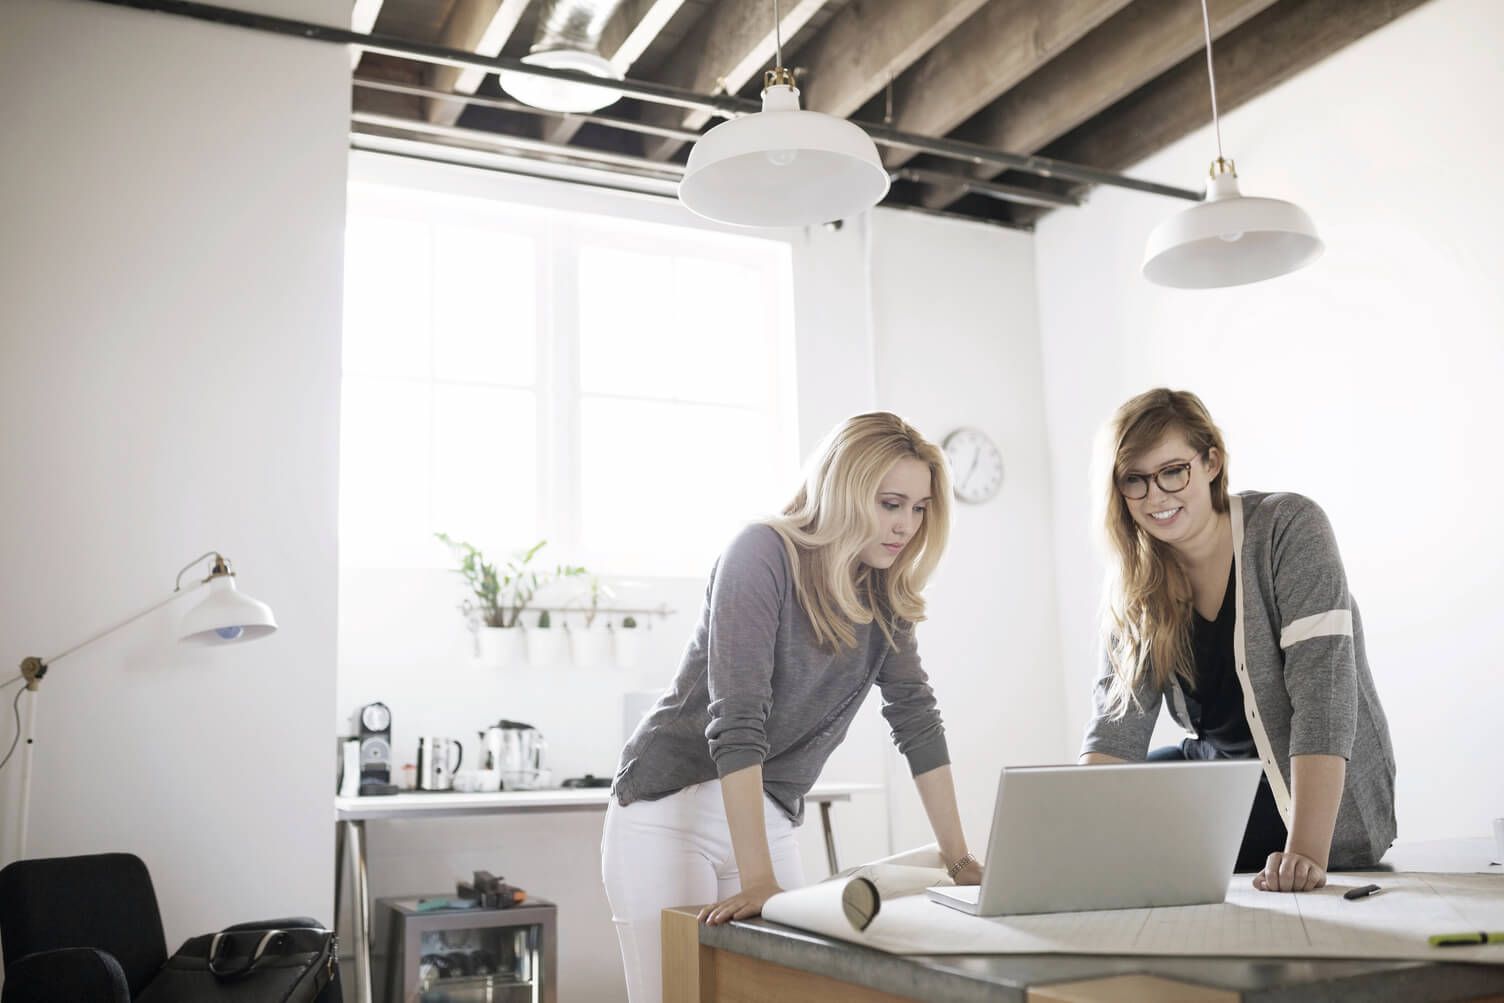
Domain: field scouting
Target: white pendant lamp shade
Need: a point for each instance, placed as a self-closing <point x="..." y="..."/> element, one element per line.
<point x="563" y="95"/>
<point x="225" y="616"/>
<point x="1230" y="240"/>
<point x="783" y="167"/>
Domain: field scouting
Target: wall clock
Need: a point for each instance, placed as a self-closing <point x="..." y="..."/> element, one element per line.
<point x="976" y="465"/>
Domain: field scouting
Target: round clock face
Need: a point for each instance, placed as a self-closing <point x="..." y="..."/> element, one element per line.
<point x="376" y="717"/>
<point x="976" y="465"/>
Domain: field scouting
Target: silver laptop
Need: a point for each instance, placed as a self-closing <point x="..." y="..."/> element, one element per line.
<point x="1076" y="838"/>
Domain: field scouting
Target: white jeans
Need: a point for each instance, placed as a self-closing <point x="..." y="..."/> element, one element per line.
<point x="672" y="852"/>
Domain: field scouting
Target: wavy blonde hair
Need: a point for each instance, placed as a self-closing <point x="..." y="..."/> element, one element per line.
<point x="834" y="516"/>
<point x="1147" y="602"/>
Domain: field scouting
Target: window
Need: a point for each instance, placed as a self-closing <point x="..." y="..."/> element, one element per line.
<point x="620" y="389"/>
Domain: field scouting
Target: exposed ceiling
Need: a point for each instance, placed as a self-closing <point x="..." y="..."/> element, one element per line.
<point x="1100" y="83"/>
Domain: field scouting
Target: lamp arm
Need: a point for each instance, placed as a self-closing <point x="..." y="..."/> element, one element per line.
<point x="33" y="668"/>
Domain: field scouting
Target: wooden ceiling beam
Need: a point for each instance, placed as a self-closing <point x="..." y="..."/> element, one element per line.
<point x="362" y="19"/>
<point x="998" y="46"/>
<point x="628" y="34"/>
<point x="1269" y="49"/>
<point x="869" y="43"/>
<point x="728" y="46"/>
<point x="1124" y="53"/>
<point x="481" y="26"/>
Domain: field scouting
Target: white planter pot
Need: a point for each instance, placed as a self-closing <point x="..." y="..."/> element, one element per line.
<point x="501" y="646"/>
<point x="545" y="646"/>
<point x="628" y="646"/>
<point x="590" y="647"/>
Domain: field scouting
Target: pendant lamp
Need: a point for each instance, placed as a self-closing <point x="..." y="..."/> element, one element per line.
<point x="1231" y="238"/>
<point x="782" y="166"/>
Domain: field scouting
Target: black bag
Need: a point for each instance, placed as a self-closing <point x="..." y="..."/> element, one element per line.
<point x="275" y="962"/>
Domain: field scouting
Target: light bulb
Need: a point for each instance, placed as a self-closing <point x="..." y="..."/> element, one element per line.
<point x="781" y="158"/>
<point x="229" y="633"/>
<point x="1231" y="237"/>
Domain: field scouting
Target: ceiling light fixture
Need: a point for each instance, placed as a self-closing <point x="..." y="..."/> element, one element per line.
<point x="782" y="166"/>
<point x="1230" y="239"/>
<point x="569" y="36"/>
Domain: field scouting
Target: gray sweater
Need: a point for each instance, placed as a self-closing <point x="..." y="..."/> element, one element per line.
<point x="1301" y="663"/>
<point x="754" y="687"/>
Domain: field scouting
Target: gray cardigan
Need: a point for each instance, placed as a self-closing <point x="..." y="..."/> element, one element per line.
<point x="754" y="687"/>
<point x="1307" y="690"/>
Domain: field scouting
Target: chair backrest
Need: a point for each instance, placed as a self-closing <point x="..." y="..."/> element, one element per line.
<point x="104" y="901"/>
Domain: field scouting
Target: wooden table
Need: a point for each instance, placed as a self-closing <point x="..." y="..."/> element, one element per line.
<point x="756" y="960"/>
<point x="352" y="813"/>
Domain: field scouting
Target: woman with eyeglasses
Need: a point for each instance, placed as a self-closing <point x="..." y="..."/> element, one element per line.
<point x="804" y="613"/>
<point x="1234" y="609"/>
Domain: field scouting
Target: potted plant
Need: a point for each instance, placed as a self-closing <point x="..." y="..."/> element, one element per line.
<point x="499" y="596"/>
<point x="590" y="646"/>
<point x="628" y="643"/>
<point x="544" y="644"/>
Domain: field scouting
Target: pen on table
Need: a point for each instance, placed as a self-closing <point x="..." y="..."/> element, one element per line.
<point x="1466" y="939"/>
<point x="1361" y="892"/>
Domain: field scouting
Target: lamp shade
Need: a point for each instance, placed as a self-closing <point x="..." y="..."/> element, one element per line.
<point x="563" y="95"/>
<point x="1229" y="240"/>
<point x="225" y="616"/>
<point x="783" y="167"/>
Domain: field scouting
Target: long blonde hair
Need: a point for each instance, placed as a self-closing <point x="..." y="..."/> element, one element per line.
<point x="834" y="516"/>
<point x="1147" y="607"/>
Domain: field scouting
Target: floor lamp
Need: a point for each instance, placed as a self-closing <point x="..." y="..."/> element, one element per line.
<point x="224" y="616"/>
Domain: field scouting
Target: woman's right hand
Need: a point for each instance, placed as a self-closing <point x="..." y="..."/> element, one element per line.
<point x="743" y="905"/>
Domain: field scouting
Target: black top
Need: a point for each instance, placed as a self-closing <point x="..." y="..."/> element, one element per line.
<point x="1215" y="701"/>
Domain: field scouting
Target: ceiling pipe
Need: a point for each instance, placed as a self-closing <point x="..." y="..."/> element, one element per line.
<point x="726" y="106"/>
<point x="502" y="104"/>
<point x="991" y="189"/>
<point x="489" y="151"/>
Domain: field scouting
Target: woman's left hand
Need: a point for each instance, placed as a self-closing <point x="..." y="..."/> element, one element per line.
<point x="971" y="874"/>
<point x="1289" y="872"/>
<point x="743" y="905"/>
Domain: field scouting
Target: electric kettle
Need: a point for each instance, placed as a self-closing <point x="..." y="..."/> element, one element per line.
<point x="438" y="758"/>
<point x="518" y="753"/>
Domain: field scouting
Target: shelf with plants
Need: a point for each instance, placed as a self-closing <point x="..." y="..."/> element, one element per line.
<point x="501" y="593"/>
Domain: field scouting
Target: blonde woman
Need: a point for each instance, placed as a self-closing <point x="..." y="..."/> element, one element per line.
<point x="802" y="615"/>
<point x="1234" y="608"/>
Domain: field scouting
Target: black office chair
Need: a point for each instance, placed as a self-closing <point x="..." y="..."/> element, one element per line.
<point x="87" y="930"/>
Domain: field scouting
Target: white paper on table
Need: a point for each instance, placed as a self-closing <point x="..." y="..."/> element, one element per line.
<point x="1395" y="923"/>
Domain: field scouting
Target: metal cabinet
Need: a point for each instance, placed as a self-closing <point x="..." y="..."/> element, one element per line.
<point x="465" y="955"/>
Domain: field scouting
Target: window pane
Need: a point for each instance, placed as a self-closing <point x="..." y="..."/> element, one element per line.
<point x="383" y="484"/>
<point x="387" y="270"/>
<point x="485" y="298"/>
<point x="485" y="463"/>
<point x="666" y="486"/>
<point x="626" y="302"/>
<point x="675" y="328"/>
<point x="726" y="321"/>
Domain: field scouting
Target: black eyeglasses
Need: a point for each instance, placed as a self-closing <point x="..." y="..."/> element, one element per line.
<point x="1170" y="480"/>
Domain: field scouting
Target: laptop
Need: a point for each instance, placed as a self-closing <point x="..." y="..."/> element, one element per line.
<point x="1077" y="838"/>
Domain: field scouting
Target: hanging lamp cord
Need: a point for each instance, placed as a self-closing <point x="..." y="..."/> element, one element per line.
<point x="778" y="34"/>
<point x="1206" y="23"/>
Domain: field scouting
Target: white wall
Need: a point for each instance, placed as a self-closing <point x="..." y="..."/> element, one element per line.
<point x="173" y="197"/>
<point x="957" y="343"/>
<point x="1369" y="381"/>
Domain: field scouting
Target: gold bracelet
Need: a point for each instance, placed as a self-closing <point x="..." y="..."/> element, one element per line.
<point x="960" y="865"/>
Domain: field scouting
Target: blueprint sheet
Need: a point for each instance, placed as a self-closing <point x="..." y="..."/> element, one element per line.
<point x="1394" y="923"/>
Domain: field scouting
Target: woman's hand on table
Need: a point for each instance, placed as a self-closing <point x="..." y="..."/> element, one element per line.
<point x="743" y="905"/>
<point x="1290" y="872"/>
<point x="971" y="874"/>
